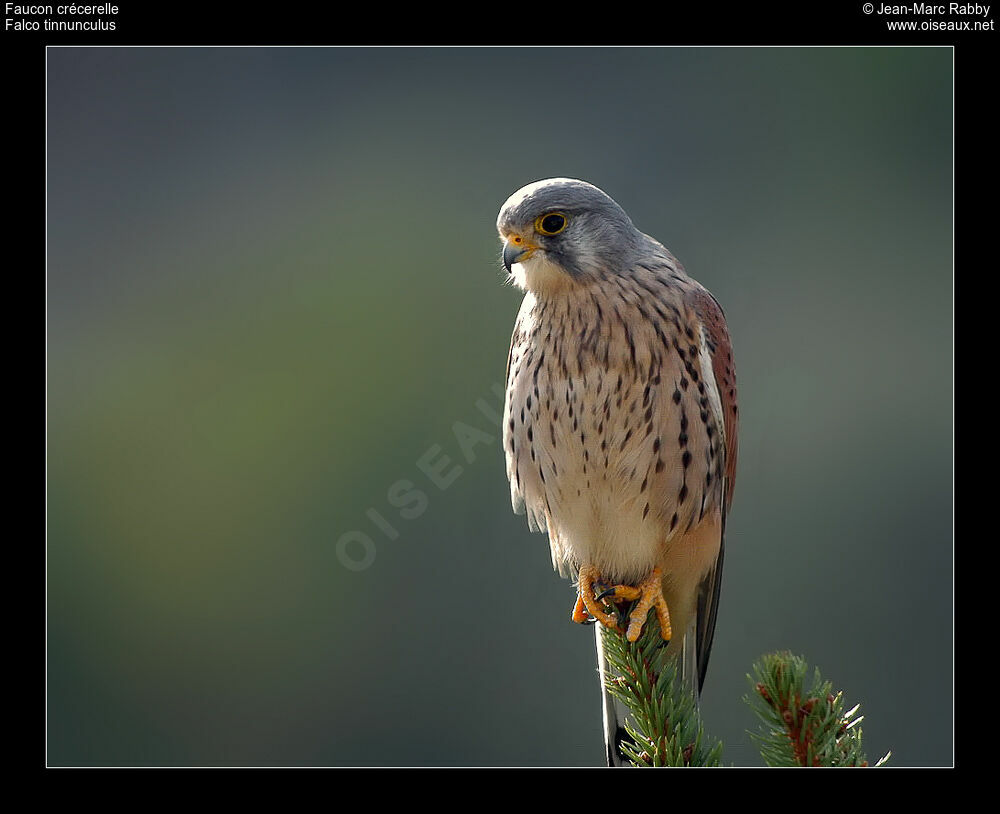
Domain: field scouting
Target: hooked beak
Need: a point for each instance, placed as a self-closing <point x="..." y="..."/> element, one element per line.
<point x="515" y="250"/>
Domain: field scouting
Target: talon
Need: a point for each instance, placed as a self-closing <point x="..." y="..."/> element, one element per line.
<point x="588" y="576"/>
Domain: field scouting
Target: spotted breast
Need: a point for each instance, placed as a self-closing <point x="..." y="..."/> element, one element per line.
<point x="615" y="427"/>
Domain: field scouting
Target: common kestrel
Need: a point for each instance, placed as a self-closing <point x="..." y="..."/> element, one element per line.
<point x="620" y="419"/>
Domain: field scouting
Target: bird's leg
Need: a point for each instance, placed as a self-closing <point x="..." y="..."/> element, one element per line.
<point x="647" y="594"/>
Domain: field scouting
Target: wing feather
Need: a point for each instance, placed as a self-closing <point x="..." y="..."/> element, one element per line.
<point x="720" y="347"/>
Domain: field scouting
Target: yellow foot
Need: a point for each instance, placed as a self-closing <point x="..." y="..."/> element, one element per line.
<point x="588" y="599"/>
<point x="649" y="592"/>
<point x="580" y="615"/>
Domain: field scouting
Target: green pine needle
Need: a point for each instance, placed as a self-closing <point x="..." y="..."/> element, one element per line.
<point x="803" y="727"/>
<point x="804" y="722"/>
<point x="664" y="726"/>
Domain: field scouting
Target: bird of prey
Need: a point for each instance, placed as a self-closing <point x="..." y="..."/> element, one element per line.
<point x="620" y="418"/>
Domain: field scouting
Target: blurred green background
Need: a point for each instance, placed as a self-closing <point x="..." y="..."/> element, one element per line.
<point x="274" y="287"/>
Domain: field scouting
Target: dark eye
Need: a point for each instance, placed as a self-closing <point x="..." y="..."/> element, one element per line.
<point x="551" y="224"/>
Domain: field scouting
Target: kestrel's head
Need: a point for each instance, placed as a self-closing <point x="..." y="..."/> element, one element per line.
<point x="561" y="231"/>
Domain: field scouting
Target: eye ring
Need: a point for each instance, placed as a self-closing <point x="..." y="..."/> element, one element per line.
<point x="551" y="223"/>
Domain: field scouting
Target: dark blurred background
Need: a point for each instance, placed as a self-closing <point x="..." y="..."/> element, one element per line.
<point x="274" y="290"/>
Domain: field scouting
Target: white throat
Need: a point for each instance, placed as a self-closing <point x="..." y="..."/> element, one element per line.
<point x="539" y="275"/>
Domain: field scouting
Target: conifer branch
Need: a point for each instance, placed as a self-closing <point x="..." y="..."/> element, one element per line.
<point x="803" y="727"/>
<point x="664" y="726"/>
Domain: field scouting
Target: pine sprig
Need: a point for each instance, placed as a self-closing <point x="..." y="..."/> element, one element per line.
<point x="664" y="726"/>
<point x="803" y="727"/>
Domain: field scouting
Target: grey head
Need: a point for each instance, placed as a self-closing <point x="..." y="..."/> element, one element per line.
<point x="562" y="227"/>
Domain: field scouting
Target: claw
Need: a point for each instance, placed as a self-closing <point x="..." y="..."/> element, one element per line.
<point x="588" y="576"/>
<point x="580" y="614"/>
